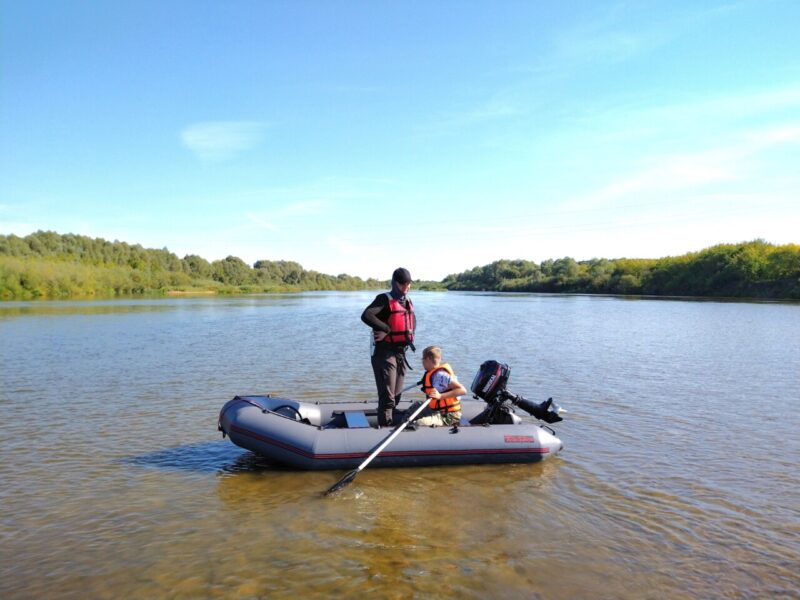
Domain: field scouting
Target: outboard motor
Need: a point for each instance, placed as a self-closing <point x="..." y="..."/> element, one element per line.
<point x="490" y="380"/>
<point x="489" y="385"/>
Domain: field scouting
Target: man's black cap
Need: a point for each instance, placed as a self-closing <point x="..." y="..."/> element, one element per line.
<point x="401" y="275"/>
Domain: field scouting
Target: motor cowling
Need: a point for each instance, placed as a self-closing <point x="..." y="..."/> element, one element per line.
<point x="490" y="380"/>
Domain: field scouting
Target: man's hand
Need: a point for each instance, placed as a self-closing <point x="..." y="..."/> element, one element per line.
<point x="378" y="335"/>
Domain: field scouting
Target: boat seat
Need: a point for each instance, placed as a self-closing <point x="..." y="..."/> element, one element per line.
<point x="355" y="419"/>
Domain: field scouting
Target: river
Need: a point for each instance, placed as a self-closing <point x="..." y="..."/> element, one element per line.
<point x="679" y="476"/>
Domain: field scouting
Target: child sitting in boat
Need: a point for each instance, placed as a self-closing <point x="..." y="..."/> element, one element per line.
<point x="442" y="389"/>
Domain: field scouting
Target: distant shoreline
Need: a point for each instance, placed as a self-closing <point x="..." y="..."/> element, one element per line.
<point x="48" y="265"/>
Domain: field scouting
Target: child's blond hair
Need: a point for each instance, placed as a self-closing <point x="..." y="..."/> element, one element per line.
<point x="433" y="352"/>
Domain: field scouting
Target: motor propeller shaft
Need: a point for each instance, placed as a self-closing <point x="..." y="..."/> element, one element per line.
<point x="546" y="411"/>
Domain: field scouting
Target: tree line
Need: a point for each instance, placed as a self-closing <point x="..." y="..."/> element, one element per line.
<point x="46" y="264"/>
<point x="753" y="269"/>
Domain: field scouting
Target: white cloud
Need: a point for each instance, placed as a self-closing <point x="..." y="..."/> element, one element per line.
<point x="726" y="109"/>
<point x="581" y="47"/>
<point x="619" y="32"/>
<point x="304" y="208"/>
<point x="644" y="154"/>
<point x="771" y="136"/>
<point x="222" y="140"/>
<point x="272" y="219"/>
<point x="676" y="173"/>
<point x="498" y="106"/>
<point x="346" y="247"/>
<point x="261" y="221"/>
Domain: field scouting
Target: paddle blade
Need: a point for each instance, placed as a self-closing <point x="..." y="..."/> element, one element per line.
<point x="342" y="483"/>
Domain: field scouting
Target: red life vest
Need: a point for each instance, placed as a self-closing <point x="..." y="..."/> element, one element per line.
<point x="445" y="405"/>
<point x="402" y="322"/>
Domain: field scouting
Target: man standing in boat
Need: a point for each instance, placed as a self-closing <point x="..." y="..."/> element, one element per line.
<point x="391" y="317"/>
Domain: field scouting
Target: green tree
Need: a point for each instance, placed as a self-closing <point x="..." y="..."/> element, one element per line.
<point x="197" y="267"/>
<point x="232" y="271"/>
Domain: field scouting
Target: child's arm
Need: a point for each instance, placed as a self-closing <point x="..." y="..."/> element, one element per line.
<point x="456" y="388"/>
<point x="453" y="389"/>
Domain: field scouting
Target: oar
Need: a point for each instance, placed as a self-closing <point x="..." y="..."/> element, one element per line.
<point x="345" y="481"/>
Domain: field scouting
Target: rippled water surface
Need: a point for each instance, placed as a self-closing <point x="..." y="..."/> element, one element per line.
<point x="679" y="477"/>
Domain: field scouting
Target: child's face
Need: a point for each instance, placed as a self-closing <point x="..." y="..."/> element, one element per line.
<point x="427" y="363"/>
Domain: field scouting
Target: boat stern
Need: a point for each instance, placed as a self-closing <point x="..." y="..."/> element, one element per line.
<point x="550" y="441"/>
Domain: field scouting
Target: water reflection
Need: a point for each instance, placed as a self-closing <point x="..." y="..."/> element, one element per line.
<point x="247" y="462"/>
<point x="89" y="307"/>
<point x="162" y="304"/>
<point x="206" y="457"/>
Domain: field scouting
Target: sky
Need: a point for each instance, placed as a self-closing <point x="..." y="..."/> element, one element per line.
<point x="356" y="137"/>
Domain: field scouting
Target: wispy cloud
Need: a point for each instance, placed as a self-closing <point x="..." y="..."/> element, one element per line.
<point x="729" y="162"/>
<point x="724" y="119"/>
<point x="611" y="35"/>
<point x="729" y="107"/>
<point x="326" y="190"/>
<point x="585" y="46"/>
<point x="624" y="31"/>
<point x="765" y="138"/>
<point x="273" y="219"/>
<point x="498" y="106"/>
<point x="345" y="246"/>
<point x="676" y="173"/>
<point x="305" y="208"/>
<point x="222" y="140"/>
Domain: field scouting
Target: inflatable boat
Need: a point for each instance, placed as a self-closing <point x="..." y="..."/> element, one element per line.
<point x="336" y="435"/>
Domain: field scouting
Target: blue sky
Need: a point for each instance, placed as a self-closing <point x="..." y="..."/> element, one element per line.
<point x="353" y="137"/>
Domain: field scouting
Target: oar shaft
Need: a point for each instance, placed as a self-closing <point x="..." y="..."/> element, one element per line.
<point x="350" y="475"/>
<point x="388" y="440"/>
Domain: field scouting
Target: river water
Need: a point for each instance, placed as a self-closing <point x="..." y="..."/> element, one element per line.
<point x="679" y="476"/>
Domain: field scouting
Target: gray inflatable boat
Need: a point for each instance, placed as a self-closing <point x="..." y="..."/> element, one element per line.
<point x="335" y="435"/>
